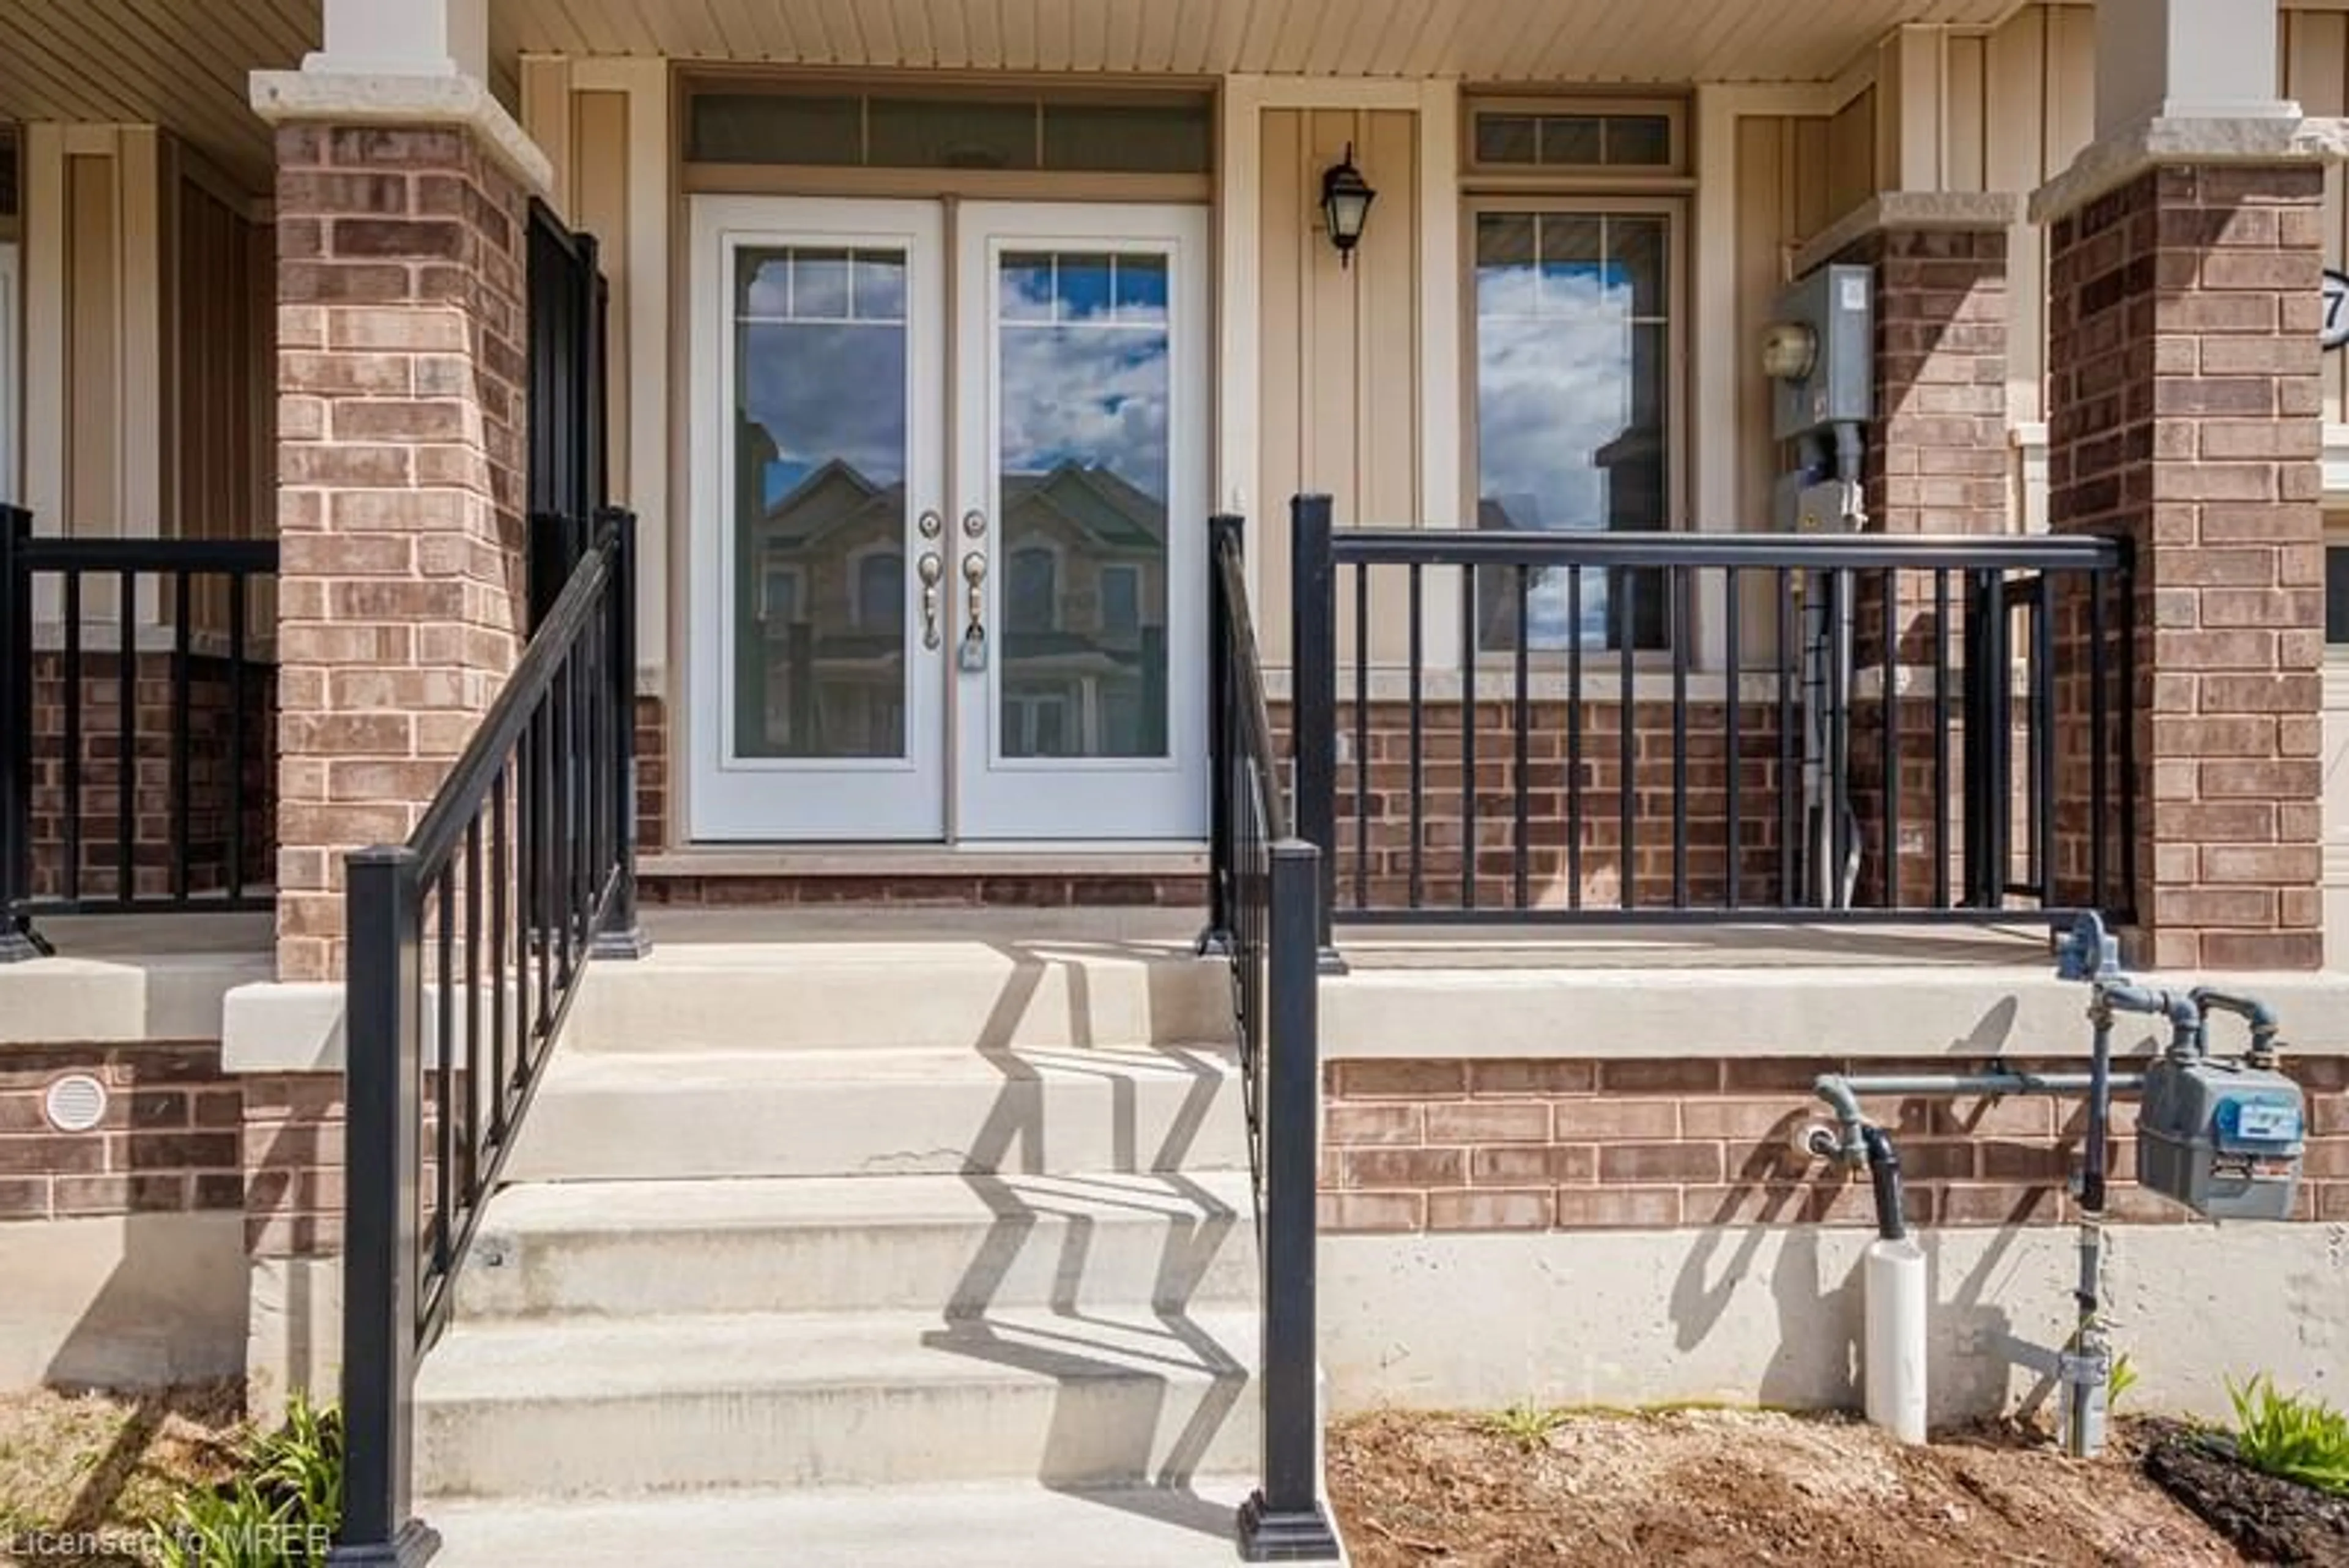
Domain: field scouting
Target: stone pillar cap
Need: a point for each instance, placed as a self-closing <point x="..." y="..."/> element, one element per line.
<point x="1972" y="211"/>
<point x="2113" y="160"/>
<point x="356" y="98"/>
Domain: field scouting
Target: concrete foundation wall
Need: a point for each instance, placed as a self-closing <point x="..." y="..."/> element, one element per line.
<point x="293" y="1338"/>
<point x="122" y="1302"/>
<point x="1773" y="1315"/>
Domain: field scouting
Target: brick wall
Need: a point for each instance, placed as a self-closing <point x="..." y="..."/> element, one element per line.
<point x="167" y="1142"/>
<point x="1383" y="880"/>
<point x="402" y="595"/>
<point x="2183" y="378"/>
<point x="292" y="1164"/>
<point x="1492" y="1144"/>
<point x="652" y="774"/>
<point x="213" y="782"/>
<point x="1937" y="459"/>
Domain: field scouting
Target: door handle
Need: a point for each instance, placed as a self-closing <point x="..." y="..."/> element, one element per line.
<point x="934" y="571"/>
<point x="974" y="632"/>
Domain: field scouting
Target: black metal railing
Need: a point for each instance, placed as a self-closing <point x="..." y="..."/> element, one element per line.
<point x="1263" y="917"/>
<point x="1847" y="753"/>
<point x="468" y="945"/>
<point x="137" y="716"/>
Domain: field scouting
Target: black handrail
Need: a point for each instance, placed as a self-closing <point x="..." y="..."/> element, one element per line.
<point x="108" y="806"/>
<point x="480" y="926"/>
<point x="1264" y="897"/>
<point x="1819" y="772"/>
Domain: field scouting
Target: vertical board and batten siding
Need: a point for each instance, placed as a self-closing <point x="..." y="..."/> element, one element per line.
<point x="1341" y="401"/>
<point x="2315" y="48"/>
<point x="221" y="428"/>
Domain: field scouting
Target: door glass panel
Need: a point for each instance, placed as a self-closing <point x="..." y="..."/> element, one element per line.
<point x="1083" y="344"/>
<point x="819" y="521"/>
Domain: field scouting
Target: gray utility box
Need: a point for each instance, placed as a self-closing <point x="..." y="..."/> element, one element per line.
<point x="2223" y="1139"/>
<point x="1838" y="305"/>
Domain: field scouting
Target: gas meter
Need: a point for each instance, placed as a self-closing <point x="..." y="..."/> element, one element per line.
<point x="2225" y="1138"/>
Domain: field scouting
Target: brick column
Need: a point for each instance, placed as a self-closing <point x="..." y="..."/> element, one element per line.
<point x="400" y="415"/>
<point x="1936" y="460"/>
<point x="2183" y="384"/>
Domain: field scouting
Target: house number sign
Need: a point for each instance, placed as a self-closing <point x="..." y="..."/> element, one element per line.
<point x="2335" y="330"/>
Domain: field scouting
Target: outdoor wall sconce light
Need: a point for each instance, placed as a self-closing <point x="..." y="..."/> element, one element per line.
<point x="1346" y="199"/>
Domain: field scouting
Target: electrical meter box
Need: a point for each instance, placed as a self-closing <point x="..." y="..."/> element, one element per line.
<point x="1838" y="304"/>
<point x="2222" y="1138"/>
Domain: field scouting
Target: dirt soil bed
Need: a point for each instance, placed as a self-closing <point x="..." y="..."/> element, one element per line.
<point x="1736" y="1487"/>
<point x="2272" y="1521"/>
<point x="84" y="1476"/>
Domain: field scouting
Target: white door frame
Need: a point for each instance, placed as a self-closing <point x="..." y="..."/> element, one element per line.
<point x="1092" y="799"/>
<point x="738" y="798"/>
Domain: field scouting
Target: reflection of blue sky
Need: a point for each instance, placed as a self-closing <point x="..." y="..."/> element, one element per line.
<point x="1553" y="387"/>
<point x="1087" y="395"/>
<point x="826" y="392"/>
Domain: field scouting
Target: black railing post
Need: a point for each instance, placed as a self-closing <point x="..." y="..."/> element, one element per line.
<point x="383" y="1034"/>
<point x="17" y="940"/>
<point x="1313" y="698"/>
<point x="1224" y="531"/>
<point x="622" y="934"/>
<point x="1285" y="1521"/>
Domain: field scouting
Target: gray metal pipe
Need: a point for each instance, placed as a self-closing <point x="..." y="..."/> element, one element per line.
<point x="1842" y="1092"/>
<point x="2261" y="1018"/>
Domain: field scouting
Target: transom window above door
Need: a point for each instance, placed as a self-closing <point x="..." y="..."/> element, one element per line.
<point x="1146" y="132"/>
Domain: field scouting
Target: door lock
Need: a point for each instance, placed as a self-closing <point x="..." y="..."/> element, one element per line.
<point x="973" y="655"/>
<point x="931" y="523"/>
<point x="934" y="571"/>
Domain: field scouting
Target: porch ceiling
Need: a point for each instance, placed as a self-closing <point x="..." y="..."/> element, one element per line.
<point x="182" y="64"/>
<point x="1576" y="41"/>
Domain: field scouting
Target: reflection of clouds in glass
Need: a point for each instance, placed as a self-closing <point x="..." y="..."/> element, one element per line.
<point x="1089" y="396"/>
<point x="1554" y="387"/>
<point x="828" y="392"/>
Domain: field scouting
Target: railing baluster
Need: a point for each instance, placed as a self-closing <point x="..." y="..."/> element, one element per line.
<point x="445" y="1047"/>
<point x="2043" y="729"/>
<point x="179" y="827"/>
<point x="2100" y="750"/>
<point x="238" y="585"/>
<point x="1361" y="736"/>
<point x="1735" y="699"/>
<point x="1888" y="680"/>
<point x="73" y="678"/>
<point x="1417" y="704"/>
<point x="1574" y="701"/>
<point x="1838" y="749"/>
<point x="1790" y="776"/>
<point x="472" y="1003"/>
<point x="1468" y="737"/>
<point x="1677" y="580"/>
<point x="505" y="978"/>
<point x="125" y="736"/>
<point x="1619" y="614"/>
<point x="1521" y="726"/>
<point x="1941" y="739"/>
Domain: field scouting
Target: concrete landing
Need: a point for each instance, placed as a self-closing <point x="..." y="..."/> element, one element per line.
<point x="1012" y="1525"/>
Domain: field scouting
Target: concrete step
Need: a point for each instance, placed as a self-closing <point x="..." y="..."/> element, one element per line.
<point x="586" y="1407"/>
<point x="1018" y="1525"/>
<point x="917" y="1243"/>
<point x="802" y="995"/>
<point x="605" y="1116"/>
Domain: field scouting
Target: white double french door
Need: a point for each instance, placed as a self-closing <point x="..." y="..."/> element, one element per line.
<point x="949" y="504"/>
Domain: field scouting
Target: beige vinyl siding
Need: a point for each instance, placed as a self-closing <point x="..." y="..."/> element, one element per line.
<point x="221" y="375"/>
<point x="1340" y="397"/>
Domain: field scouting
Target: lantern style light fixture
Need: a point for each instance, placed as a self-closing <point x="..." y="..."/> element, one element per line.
<point x="1346" y="199"/>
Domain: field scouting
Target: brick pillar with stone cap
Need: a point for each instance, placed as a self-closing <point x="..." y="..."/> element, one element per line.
<point x="2185" y="416"/>
<point x="401" y="284"/>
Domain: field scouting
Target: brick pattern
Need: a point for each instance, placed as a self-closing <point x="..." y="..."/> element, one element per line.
<point x="402" y="597"/>
<point x="293" y="1165"/>
<point x="1383" y="880"/>
<point x="2183" y="372"/>
<point x="952" y="891"/>
<point x="167" y="1143"/>
<point x="1509" y="1145"/>
<point x="652" y="773"/>
<point x="214" y="786"/>
<point x="1936" y="460"/>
